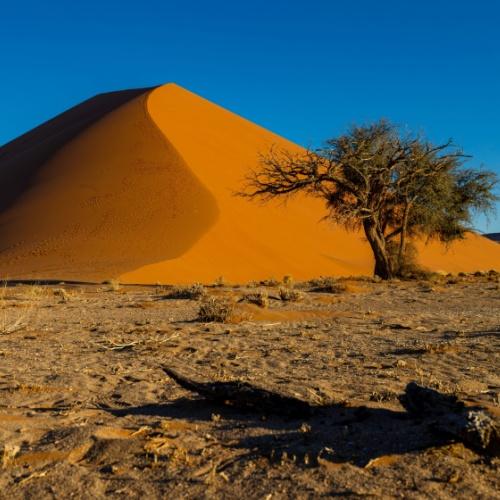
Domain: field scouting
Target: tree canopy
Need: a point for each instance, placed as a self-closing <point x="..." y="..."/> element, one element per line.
<point x="393" y="186"/>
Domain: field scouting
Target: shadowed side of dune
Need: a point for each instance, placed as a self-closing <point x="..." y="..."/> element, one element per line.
<point x="116" y="197"/>
<point x="21" y="158"/>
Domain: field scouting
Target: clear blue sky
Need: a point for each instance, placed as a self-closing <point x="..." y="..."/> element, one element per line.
<point x="305" y="69"/>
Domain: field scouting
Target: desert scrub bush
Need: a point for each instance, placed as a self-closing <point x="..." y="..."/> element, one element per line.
<point x="113" y="285"/>
<point x="289" y="294"/>
<point x="406" y="265"/>
<point x="215" y="309"/>
<point x="192" y="292"/>
<point x="326" y="284"/>
<point x="15" y="319"/>
<point x="260" y="298"/>
<point x="220" y="282"/>
<point x="61" y="294"/>
<point x="269" y="282"/>
<point x="288" y="280"/>
<point x="383" y="395"/>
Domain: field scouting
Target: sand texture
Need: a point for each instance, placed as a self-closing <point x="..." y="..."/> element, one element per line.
<point x="86" y="410"/>
<point x="140" y="185"/>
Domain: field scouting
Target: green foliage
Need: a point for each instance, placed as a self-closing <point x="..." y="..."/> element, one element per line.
<point x="394" y="186"/>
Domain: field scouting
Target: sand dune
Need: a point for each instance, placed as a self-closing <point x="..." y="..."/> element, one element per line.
<point x="140" y="185"/>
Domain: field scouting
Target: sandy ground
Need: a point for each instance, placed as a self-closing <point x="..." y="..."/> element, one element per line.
<point x="86" y="410"/>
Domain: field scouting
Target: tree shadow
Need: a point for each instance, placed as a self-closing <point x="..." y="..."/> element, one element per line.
<point x="334" y="433"/>
<point x="380" y="433"/>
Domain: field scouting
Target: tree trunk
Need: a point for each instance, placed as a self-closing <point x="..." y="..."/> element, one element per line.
<point x="377" y="244"/>
<point x="402" y="240"/>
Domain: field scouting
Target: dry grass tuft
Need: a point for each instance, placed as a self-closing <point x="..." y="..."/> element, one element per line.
<point x="193" y="292"/>
<point x="113" y="285"/>
<point x="326" y="284"/>
<point x="260" y="298"/>
<point x="383" y="395"/>
<point x="62" y="294"/>
<point x="10" y="323"/>
<point x="269" y="282"/>
<point x="215" y="309"/>
<point x="220" y="282"/>
<point x="10" y="452"/>
<point x="289" y="294"/>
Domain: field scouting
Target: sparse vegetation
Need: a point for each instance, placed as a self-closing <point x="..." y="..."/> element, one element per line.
<point x="260" y="298"/>
<point x="215" y="309"/>
<point x="62" y="294"/>
<point x="289" y="294"/>
<point x="270" y="282"/>
<point x="113" y="285"/>
<point x="193" y="292"/>
<point x="383" y="395"/>
<point x="405" y="265"/>
<point x="326" y="284"/>
<point x="10" y="323"/>
<point x="220" y="282"/>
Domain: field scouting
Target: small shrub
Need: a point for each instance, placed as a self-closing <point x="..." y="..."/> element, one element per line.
<point x="327" y="285"/>
<point x="192" y="292"/>
<point x="269" y="282"/>
<point x="220" y="282"/>
<point x="289" y="294"/>
<point x="259" y="298"/>
<point x="407" y="267"/>
<point x="288" y="281"/>
<point x="113" y="284"/>
<point x="62" y="294"/>
<point x="10" y="323"/>
<point x="383" y="395"/>
<point x="215" y="309"/>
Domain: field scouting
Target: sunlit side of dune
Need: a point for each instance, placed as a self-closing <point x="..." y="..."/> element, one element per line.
<point x="249" y="240"/>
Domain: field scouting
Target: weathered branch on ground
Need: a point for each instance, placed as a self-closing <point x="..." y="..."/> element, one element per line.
<point x="445" y="413"/>
<point x="243" y="395"/>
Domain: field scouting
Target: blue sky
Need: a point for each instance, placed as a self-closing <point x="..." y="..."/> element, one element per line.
<point x="305" y="69"/>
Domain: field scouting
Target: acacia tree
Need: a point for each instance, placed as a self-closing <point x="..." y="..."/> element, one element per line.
<point x="391" y="185"/>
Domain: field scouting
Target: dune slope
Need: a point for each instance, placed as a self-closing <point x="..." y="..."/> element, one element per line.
<point x="115" y="197"/>
<point x="145" y="192"/>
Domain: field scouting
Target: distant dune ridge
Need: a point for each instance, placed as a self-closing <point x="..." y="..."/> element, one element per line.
<point x="493" y="236"/>
<point x="140" y="185"/>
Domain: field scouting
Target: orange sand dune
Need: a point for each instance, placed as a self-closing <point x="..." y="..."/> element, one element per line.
<point x="142" y="188"/>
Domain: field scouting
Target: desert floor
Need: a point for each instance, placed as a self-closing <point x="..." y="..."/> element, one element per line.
<point x="86" y="410"/>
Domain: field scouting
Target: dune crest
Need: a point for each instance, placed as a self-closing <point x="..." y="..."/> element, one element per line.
<point x="143" y="189"/>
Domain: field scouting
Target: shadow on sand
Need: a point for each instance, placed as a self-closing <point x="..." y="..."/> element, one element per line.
<point x="338" y="434"/>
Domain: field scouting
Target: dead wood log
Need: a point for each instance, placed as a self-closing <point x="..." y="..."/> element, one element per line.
<point x="243" y="395"/>
<point x="447" y="414"/>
